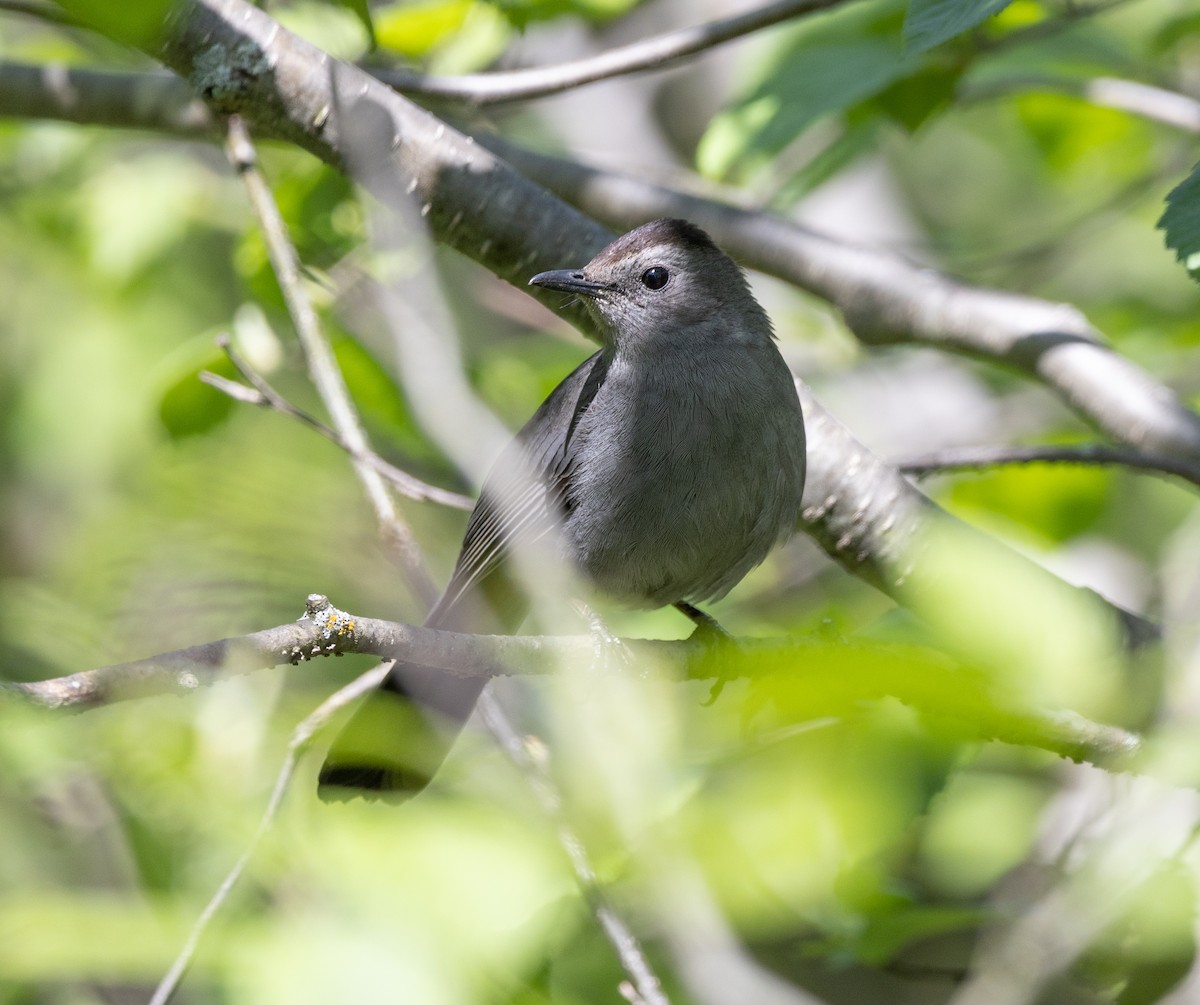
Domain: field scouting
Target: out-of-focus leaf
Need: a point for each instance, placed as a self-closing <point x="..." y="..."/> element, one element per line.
<point x="138" y="23"/>
<point x="1039" y="639"/>
<point x="914" y="98"/>
<point x="931" y="22"/>
<point x="335" y="27"/>
<point x="798" y="820"/>
<point x="1151" y="947"/>
<point x="136" y="208"/>
<point x="483" y="38"/>
<point x="413" y="29"/>
<point x="1176" y="29"/>
<point x="523" y="12"/>
<point x="188" y="406"/>
<point x="977" y="829"/>
<point x="1077" y="136"/>
<point x="889" y="932"/>
<point x="49" y="935"/>
<point x="826" y="65"/>
<point x="1180" y="222"/>
<point x="856" y="140"/>
<point x="362" y="10"/>
<point x="1055" y="502"/>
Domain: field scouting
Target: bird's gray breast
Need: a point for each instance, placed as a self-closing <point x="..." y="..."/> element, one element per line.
<point x="685" y="473"/>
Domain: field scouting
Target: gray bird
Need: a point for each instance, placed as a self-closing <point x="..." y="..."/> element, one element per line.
<point x="663" y="469"/>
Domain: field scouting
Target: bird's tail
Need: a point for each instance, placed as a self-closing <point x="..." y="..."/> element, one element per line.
<point x="398" y="738"/>
<point x="395" y="742"/>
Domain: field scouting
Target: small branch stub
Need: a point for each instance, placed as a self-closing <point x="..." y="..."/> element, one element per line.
<point x="336" y="626"/>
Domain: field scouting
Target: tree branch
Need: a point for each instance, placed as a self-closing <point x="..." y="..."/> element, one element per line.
<point x="656" y="53"/>
<point x="144" y="100"/>
<point x="837" y="676"/>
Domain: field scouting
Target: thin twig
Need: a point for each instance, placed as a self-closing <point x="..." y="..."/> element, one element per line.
<point x="654" y="53"/>
<point x="263" y="395"/>
<point x="300" y="738"/>
<point x="322" y="366"/>
<point x="1090" y="454"/>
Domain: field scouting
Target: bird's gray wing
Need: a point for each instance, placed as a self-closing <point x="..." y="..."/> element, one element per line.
<point x="528" y="491"/>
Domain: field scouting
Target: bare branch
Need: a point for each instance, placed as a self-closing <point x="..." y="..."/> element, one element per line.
<point x="1089" y="454"/>
<point x="838" y="675"/>
<point x="262" y="394"/>
<point x="656" y="53"/>
<point x="322" y="367"/>
<point x="157" y="101"/>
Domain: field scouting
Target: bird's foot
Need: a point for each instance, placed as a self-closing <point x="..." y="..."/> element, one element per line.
<point x="712" y="636"/>
<point x="608" y="649"/>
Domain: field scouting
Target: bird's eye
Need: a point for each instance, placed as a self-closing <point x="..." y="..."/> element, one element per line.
<point x="655" y="278"/>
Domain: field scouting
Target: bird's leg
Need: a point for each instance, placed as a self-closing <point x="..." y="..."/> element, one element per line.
<point x="710" y="633"/>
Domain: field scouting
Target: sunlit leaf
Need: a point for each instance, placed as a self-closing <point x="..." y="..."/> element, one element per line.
<point x="138" y="23"/>
<point x="524" y="12"/>
<point x="413" y="29"/>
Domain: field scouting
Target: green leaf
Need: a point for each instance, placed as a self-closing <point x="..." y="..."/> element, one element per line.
<point x="137" y="24"/>
<point x="414" y="29"/>
<point x="520" y="13"/>
<point x="931" y="22"/>
<point x="828" y="65"/>
<point x="189" y="407"/>
<point x="1180" y="221"/>
<point x="914" y="98"/>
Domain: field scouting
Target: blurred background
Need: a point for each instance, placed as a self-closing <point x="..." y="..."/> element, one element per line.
<point x="790" y="840"/>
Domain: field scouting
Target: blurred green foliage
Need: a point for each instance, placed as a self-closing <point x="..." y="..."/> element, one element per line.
<point x="849" y="830"/>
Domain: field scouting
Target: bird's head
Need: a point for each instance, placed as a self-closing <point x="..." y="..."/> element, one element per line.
<point x="664" y="280"/>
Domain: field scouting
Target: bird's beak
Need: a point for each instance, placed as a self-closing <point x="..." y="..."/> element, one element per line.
<point x="567" y="280"/>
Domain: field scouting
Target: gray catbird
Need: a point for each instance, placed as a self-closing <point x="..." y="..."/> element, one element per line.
<point x="666" y="466"/>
